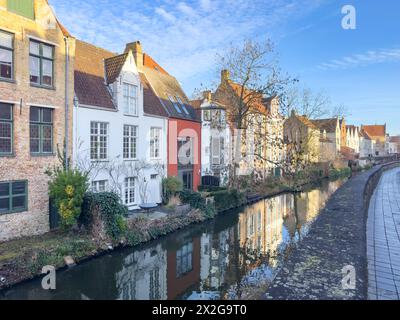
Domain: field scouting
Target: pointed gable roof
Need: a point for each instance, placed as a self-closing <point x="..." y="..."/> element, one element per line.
<point x="375" y="130"/>
<point x="329" y="125"/>
<point x="113" y="67"/>
<point x="90" y="87"/>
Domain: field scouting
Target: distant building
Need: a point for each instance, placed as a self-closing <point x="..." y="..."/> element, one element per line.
<point x="216" y="135"/>
<point x="262" y="128"/>
<point x="394" y="145"/>
<point x="331" y="129"/>
<point x="303" y="135"/>
<point x="353" y="138"/>
<point x="377" y="133"/>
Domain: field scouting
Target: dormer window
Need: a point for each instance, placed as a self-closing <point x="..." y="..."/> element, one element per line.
<point x="182" y="105"/>
<point x="130" y="99"/>
<point x="175" y="104"/>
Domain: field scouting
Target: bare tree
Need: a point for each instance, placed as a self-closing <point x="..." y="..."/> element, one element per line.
<point x="252" y="74"/>
<point x="305" y="102"/>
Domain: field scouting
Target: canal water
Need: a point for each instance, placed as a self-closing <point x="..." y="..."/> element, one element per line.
<point x="228" y="258"/>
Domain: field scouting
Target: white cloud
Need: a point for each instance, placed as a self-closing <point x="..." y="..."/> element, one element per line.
<point x="182" y="36"/>
<point x="360" y="60"/>
<point x="166" y="15"/>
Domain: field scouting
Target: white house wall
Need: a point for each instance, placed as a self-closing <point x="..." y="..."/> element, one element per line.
<point x="84" y="115"/>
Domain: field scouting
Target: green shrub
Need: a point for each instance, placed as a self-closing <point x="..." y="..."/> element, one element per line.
<point x="67" y="188"/>
<point x="211" y="188"/>
<point x="228" y="199"/>
<point x="111" y="209"/>
<point x="171" y="187"/>
<point x="339" y="173"/>
<point x="196" y="201"/>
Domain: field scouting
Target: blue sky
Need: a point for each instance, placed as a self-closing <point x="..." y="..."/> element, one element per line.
<point x="358" y="68"/>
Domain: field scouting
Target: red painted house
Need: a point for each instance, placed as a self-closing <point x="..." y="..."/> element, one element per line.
<point x="184" y="124"/>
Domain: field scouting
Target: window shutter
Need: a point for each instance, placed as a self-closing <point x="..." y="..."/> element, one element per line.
<point x="23" y="7"/>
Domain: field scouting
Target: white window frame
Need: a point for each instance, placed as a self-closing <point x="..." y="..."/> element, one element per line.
<point x="96" y="186"/>
<point x="130" y="99"/>
<point x="130" y="191"/>
<point x="98" y="137"/>
<point x="132" y="142"/>
<point x="154" y="143"/>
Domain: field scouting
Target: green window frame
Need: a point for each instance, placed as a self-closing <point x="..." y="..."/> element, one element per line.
<point x="6" y="56"/>
<point x="6" y="129"/>
<point x="41" y="64"/>
<point x="41" y="131"/>
<point x="13" y="196"/>
<point x="24" y="8"/>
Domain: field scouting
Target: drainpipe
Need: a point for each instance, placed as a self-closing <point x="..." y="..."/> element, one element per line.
<point x="66" y="142"/>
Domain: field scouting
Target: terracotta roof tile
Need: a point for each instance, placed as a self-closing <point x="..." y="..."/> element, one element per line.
<point x="165" y="85"/>
<point x="90" y="85"/>
<point x="329" y="125"/>
<point x="152" y="64"/>
<point x="113" y="67"/>
<point x="375" y="130"/>
<point x="151" y="104"/>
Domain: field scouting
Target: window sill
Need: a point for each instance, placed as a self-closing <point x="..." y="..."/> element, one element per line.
<point x="13" y="81"/>
<point x="6" y="155"/>
<point x="131" y="115"/>
<point x="39" y="86"/>
<point x="38" y="155"/>
<point x="13" y="212"/>
<point x="128" y="160"/>
<point x="99" y="161"/>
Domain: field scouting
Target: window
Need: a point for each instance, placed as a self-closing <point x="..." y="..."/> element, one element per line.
<point x="182" y="105"/>
<point x="184" y="257"/>
<point x="155" y="134"/>
<point x="6" y="129"/>
<point x="6" y="55"/>
<point x="207" y="115"/>
<point x="187" y="179"/>
<point x="41" y="130"/>
<point x="22" y="7"/>
<point x="99" y="186"/>
<point x="175" y="104"/>
<point x="41" y="62"/>
<point x="13" y="196"/>
<point x="98" y="140"/>
<point x="154" y="292"/>
<point x="153" y="176"/>
<point x="130" y="99"/>
<point x="130" y="141"/>
<point x="129" y="191"/>
<point x="216" y="150"/>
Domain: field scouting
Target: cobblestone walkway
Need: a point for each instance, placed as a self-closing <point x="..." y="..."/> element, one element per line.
<point x="383" y="238"/>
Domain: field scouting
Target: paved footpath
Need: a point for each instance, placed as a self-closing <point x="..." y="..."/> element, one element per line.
<point x="383" y="238"/>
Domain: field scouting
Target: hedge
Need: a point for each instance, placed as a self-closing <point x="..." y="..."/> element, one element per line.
<point x="228" y="199"/>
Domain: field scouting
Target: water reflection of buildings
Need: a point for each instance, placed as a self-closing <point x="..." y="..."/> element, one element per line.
<point x="260" y="226"/>
<point x="143" y="275"/>
<point x="201" y="262"/>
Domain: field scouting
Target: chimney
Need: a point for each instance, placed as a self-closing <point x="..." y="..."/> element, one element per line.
<point x="137" y="51"/>
<point x="225" y="75"/>
<point x="207" y="95"/>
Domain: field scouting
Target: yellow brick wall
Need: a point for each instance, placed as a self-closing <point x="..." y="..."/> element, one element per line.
<point x="23" y="166"/>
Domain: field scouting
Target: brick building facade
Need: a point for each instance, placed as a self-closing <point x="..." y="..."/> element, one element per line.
<point x="33" y="47"/>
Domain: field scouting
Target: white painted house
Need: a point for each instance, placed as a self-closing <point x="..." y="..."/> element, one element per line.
<point x="216" y="138"/>
<point x="115" y="137"/>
